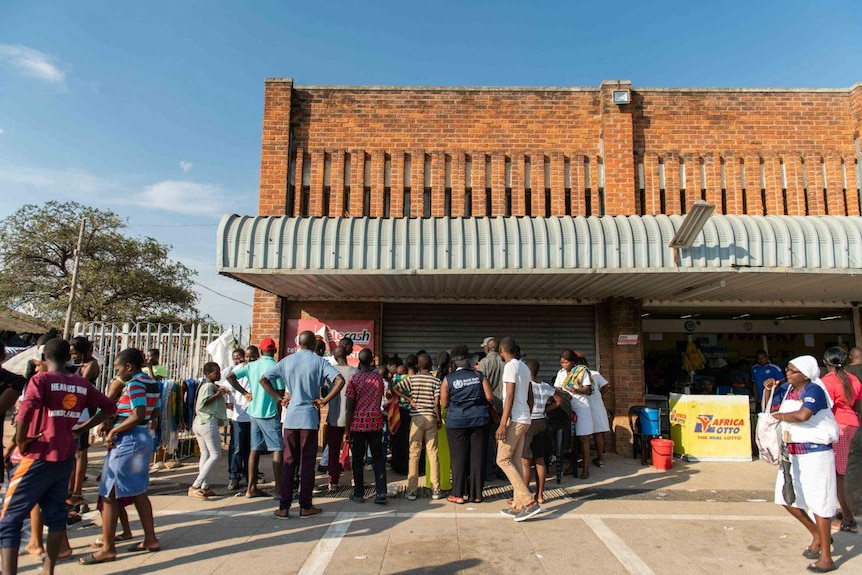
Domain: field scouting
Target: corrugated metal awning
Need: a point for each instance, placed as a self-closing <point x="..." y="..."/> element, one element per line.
<point x="811" y="260"/>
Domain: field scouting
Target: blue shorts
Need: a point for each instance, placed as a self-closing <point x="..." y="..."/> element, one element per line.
<point x="127" y="465"/>
<point x="266" y="433"/>
<point x="35" y="481"/>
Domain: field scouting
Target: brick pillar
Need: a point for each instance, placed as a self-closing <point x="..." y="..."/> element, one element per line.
<point x="276" y="147"/>
<point x="266" y="317"/>
<point x="618" y="155"/>
<point x="622" y="365"/>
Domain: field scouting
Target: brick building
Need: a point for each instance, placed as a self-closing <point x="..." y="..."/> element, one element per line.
<point x="445" y="214"/>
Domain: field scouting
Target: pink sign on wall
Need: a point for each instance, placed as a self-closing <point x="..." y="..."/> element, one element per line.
<point x="331" y="331"/>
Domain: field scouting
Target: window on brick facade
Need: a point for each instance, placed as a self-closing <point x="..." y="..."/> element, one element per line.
<point x="468" y="202"/>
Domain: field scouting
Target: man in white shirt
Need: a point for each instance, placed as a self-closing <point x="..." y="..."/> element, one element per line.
<point x="240" y="427"/>
<point x="514" y="424"/>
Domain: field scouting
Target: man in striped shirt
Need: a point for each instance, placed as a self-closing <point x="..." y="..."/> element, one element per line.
<point x="422" y="391"/>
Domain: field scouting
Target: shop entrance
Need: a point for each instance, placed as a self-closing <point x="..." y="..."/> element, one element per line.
<point x="728" y="342"/>
<point x="541" y="331"/>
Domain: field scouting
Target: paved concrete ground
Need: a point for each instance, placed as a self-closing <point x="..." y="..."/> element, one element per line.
<point x="695" y="518"/>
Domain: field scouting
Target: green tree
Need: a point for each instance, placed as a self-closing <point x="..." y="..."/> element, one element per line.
<point x="120" y="278"/>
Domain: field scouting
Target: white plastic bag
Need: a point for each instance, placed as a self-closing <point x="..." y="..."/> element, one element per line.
<point x="767" y="434"/>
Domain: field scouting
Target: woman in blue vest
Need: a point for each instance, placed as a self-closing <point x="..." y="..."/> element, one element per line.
<point x="467" y="395"/>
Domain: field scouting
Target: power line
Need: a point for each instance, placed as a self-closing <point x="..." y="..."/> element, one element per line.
<point x="221" y="294"/>
<point x="172" y="225"/>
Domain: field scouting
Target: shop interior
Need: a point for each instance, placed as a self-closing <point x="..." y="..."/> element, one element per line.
<point x="709" y="351"/>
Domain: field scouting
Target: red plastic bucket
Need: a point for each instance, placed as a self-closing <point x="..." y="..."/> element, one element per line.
<point x="662" y="453"/>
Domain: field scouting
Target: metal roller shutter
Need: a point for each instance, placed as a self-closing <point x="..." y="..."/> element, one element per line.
<point x="542" y="331"/>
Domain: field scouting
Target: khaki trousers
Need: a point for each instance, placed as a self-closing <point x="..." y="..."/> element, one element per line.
<point x="423" y="431"/>
<point x="509" y="461"/>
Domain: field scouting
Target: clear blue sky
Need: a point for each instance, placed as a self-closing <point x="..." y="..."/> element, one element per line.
<point x="154" y="109"/>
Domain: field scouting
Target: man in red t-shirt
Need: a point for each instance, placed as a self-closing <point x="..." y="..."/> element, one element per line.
<point x="46" y="437"/>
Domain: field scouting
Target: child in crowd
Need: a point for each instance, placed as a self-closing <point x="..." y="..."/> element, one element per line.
<point x="211" y="410"/>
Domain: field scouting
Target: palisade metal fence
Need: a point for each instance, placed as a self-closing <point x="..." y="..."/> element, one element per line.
<point x="182" y="347"/>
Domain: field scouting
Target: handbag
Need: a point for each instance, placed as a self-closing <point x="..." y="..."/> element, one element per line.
<point x="767" y="434"/>
<point x="344" y="458"/>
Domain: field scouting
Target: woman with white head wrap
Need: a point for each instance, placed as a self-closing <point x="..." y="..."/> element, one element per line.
<point x="809" y="429"/>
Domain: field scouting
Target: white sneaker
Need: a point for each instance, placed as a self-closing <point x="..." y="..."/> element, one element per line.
<point x="436" y="494"/>
<point x="332" y="487"/>
<point x="411" y="496"/>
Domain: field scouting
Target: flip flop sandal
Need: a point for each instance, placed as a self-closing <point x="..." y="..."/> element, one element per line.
<point x="849" y="527"/>
<point x="809" y="553"/>
<point x="138" y="547"/>
<point x="91" y="559"/>
<point x="814" y="568"/>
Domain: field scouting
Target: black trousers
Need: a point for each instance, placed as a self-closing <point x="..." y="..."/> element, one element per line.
<point x="374" y="441"/>
<point x="467" y="449"/>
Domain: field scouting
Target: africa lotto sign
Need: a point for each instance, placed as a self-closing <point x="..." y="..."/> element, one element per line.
<point x="720" y="428"/>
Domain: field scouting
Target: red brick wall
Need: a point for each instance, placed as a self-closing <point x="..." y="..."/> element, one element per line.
<point x="266" y="317"/>
<point x="622" y="365"/>
<point x="751" y="135"/>
<point x="275" y="148"/>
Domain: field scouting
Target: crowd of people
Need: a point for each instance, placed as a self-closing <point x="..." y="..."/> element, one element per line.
<point x="488" y="409"/>
<point x="476" y="416"/>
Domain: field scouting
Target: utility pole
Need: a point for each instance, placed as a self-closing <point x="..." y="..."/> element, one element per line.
<point x="68" y="325"/>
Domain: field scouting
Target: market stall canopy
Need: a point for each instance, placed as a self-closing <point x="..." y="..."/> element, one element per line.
<point x="11" y="320"/>
<point x="775" y="260"/>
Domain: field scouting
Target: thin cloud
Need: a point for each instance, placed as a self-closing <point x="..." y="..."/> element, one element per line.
<point x="1" y="131"/>
<point x="183" y="198"/>
<point x="184" y="164"/>
<point x="77" y="184"/>
<point x="33" y="63"/>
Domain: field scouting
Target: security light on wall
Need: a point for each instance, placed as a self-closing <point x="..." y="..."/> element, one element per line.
<point x="622" y="97"/>
<point x="692" y="224"/>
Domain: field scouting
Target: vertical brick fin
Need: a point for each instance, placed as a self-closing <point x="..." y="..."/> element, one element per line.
<point x="266" y="317"/>
<point x="578" y="184"/>
<point x="498" y="185"/>
<point x="438" y="183"/>
<point x="315" y="197"/>
<point x="671" y="184"/>
<point x="795" y="188"/>
<point x="852" y="193"/>
<point x="712" y="167"/>
<point x="537" y="205"/>
<point x="652" y="185"/>
<point x="275" y="150"/>
<point x="417" y="184"/>
<point x="835" y="186"/>
<point x="396" y="189"/>
<point x="594" y="184"/>
<point x="300" y="168"/>
<point x="378" y="157"/>
<point x="814" y="173"/>
<point x="459" y="159"/>
<point x="753" y="196"/>
<point x="478" y="183"/>
<point x="692" y="179"/>
<point x="772" y="173"/>
<point x="336" y="187"/>
<point x="558" y="184"/>
<point x="357" y="183"/>
<point x="733" y="184"/>
<point x="518" y="182"/>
